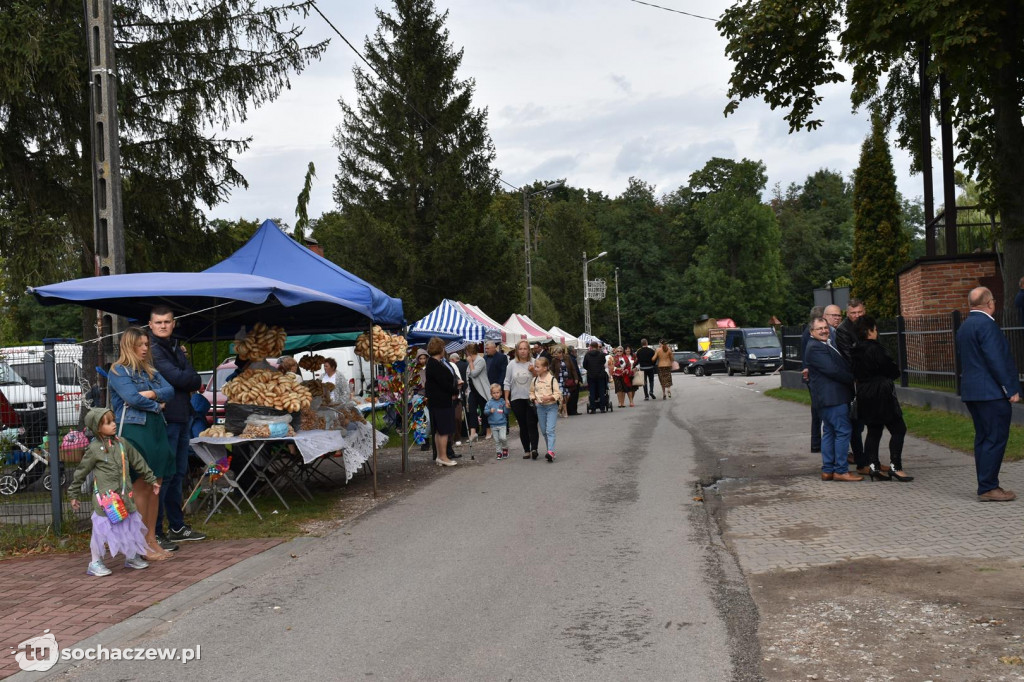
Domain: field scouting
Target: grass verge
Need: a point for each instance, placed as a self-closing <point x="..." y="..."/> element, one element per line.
<point x="954" y="431"/>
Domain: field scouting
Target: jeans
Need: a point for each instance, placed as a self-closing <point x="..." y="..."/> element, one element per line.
<point x="835" y="438"/>
<point x="170" y="491"/>
<point x="500" y="434"/>
<point x="649" y="373"/>
<point x="547" y="418"/>
<point x="527" y="418"/>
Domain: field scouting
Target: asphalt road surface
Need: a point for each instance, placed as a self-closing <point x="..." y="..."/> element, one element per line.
<point x="600" y="566"/>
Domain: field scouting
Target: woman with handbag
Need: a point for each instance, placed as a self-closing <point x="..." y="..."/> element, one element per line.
<point x="877" y="405"/>
<point x="560" y="370"/>
<point x="636" y="375"/>
<point x="137" y="397"/>
<point x="621" y="370"/>
<point x="442" y="391"/>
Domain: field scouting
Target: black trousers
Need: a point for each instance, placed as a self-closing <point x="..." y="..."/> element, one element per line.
<point x="572" y="406"/>
<point x="475" y="414"/>
<point x="897" y="432"/>
<point x="649" y="380"/>
<point x="526" y="415"/>
<point x="857" y="443"/>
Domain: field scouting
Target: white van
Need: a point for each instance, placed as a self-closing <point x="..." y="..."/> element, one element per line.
<point x="355" y="370"/>
<point x="25" y="399"/>
<point x="27" y="362"/>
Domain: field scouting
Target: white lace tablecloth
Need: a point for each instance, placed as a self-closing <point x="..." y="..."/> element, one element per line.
<point x="355" y="445"/>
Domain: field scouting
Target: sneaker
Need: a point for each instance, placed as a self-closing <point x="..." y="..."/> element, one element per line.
<point x="550" y="456"/>
<point x="97" y="569"/>
<point x="185" y="534"/>
<point x="165" y="544"/>
<point x="498" y="455"/>
<point x="504" y="454"/>
<point x="136" y="562"/>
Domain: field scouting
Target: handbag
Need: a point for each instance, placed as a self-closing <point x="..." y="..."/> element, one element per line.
<point x="853" y="409"/>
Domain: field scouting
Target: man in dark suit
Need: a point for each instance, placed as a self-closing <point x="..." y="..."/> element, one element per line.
<point x="805" y="336"/>
<point x="845" y="338"/>
<point x="831" y="384"/>
<point x="988" y="386"/>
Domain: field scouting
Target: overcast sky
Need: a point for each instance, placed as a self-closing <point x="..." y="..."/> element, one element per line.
<point x="593" y="91"/>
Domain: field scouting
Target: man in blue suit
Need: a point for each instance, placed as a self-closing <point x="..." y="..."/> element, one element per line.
<point x="988" y="385"/>
<point x="831" y="384"/>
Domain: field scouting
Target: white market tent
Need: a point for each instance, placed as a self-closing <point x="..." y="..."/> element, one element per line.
<point x="524" y="325"/>
<point x="563" y="337"/>
<point x="586" y="338"/>
<point x="508" y="336"/>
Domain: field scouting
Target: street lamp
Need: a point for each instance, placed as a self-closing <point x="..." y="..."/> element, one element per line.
<point x="586" y="286"/>
<point x="526" y="240"/>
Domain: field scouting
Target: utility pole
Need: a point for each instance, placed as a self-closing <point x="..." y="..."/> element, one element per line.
<point x="618" y="319"/>
<point x="108" y="224"/>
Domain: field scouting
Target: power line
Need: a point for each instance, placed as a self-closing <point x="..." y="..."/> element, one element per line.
<point x="390" y="83"/>
<point x="669" y="9"/>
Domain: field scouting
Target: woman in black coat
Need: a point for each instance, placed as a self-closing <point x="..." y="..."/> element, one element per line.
<point x="877" y="405"/>
<point x="441" y="390"/>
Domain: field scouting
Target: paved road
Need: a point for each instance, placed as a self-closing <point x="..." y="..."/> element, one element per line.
<point x="598" y="567"/>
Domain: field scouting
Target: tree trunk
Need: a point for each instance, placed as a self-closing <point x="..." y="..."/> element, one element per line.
<point x="1008" y="175"/>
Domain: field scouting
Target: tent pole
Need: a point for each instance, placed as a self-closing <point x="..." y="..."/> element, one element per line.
<point x="373" y="415"/>
<point x="405" y="409"/>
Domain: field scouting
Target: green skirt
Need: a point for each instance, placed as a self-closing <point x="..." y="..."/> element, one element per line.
<point x="151" y="441"/>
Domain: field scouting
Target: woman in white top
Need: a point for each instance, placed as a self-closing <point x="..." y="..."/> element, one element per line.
<point x="331" y="375"/>
<point x="518" y="376"/>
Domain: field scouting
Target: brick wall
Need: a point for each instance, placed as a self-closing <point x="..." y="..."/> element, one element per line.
<point x="939" y="285"/>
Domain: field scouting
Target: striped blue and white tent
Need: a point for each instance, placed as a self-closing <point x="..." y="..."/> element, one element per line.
<point x="586" y="338"/>
<point x="449" y="320"/>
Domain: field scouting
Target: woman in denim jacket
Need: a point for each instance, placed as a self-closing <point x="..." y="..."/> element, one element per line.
<point x="137" y="397"/>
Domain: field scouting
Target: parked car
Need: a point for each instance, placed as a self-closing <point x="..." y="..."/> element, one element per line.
<point x="27" y="361"/>
<point x="26" y="401"/>
<point x="752" y="350"/>
<point x="709" y="363"/>
<point x="685" y="359"/>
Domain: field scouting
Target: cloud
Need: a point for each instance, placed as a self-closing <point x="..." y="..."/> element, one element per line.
<point x="622" y="83"/>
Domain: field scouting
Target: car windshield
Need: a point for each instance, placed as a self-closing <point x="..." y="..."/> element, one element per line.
<point x="34" y="374"/>
<point x="8" y="377"/>
<point x="766" y="341"/>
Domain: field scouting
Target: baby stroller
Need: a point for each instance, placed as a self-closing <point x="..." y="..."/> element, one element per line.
<point x="605" y="403"/>
<point x="25" y="465"/>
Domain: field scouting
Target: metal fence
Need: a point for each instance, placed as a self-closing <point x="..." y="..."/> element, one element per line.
<point x="924" y="347"/>
<point x="45" y="387"/>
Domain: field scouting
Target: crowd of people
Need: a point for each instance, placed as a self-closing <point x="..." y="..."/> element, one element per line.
<point x="472" y="396"/>
<point x="852" y="377"/>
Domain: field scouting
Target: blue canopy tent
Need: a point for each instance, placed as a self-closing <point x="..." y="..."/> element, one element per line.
<point x="210" y="305"/>
<point x="272" y="253"/>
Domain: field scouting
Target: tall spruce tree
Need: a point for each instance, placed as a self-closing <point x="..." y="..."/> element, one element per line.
<point x="186" y="69"/>
<point x="880" y="245"/>
<point x="415" y="179"/>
